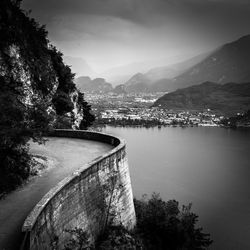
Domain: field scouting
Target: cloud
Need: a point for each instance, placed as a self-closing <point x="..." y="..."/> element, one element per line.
<point x="136" y="29"/>
<point x="148" y="13"/>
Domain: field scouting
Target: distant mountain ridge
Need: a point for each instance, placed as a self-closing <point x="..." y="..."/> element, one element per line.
<point x="138" y="83"/>
<point x="229" y="98"/>
<point x="228" y="63"/>
<point x="121" y="74"/>
<point x="146" y="82"/>
<point x="171" y="71"/>
<point x="97" y="85"/>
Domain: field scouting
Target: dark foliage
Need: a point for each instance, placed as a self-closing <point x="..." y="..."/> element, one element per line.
<point x="128" y="122"/>
<point x="65" y="76"/>
<point x="85" y="108"/>
<point x="62" y="103"/>
<point x="240" y="120"/>
<point x="33" y="81"/>
<point x="79" y="240"/>
<point x="113" y="238"/>
<point x="24" y="66"/>
<point x="118" y="237"/>
<point x="227" y="99"/>
<point x="163" y="225"/>
<point x="63" y="122"/>
<point x="160" y="226"/>
<point x="61" y="100"/>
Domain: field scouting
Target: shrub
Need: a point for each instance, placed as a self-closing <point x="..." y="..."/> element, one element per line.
<point x="79" y="240"/>
<point x="62" y="103"/>
<point x="118" y="237"/>
<point x="161" y="225"/>
<point x="164" y="225"/>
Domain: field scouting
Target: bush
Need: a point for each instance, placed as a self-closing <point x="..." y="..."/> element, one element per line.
<point x="163" y="225"/>
<point x="160" y="226"/>
<point x="62" y="103"/>
<point x="15" y="168"/>
<point x="79" y="240"/>
<point x="118" y="237"/>
<point x="85" y="108"/>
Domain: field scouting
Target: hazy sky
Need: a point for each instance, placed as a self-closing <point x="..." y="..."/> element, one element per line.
<point x="108" y="33"/>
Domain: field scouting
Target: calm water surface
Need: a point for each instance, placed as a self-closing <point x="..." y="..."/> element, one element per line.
<point x="209" y="167"/>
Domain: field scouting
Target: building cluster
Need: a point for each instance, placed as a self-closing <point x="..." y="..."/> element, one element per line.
<point x="136" y="109"/>
<point x="163" y="117"/>
<point x="113" y="100"/>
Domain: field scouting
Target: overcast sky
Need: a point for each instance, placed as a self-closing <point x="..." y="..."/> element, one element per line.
<point x="109" y="33"/>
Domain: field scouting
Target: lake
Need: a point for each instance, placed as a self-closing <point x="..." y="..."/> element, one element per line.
<point x="209" y="167"/>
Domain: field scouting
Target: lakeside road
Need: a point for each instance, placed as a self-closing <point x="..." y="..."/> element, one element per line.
<point x="67" y="155"/>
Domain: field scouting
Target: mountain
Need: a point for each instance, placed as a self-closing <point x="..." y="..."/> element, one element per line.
<point x="79" y="66"/>
<point x="137" y="83"/>
<point x="171" y="71"/>
<point x="229" y="63"/>
<point x="120" y="89"/>
<point x="121" y="74"/>
<point x="97" y="85"/>
<point x="151" y="80"/>
<point x="229" y="98"/>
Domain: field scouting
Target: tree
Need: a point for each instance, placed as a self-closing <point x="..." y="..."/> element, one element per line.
<point x="118" y="237"/>
<point x="79" y="240"/>
<point x="163" y="225"/>
<point x="85" y="108"/>
<point x="36" y="88"/>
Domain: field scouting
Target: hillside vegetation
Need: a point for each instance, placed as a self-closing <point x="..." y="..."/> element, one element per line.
<point x="37" y="92"/>
<point x="228" y="99"/>
<point x="160" y="225"/>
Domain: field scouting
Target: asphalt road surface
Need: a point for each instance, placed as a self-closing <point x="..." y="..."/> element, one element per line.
<point x="66" y="155"/>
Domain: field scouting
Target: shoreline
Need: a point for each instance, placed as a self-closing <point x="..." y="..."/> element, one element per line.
<point x="173" y="126"/>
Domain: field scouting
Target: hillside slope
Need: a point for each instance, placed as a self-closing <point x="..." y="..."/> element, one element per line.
<point x="229" y="63"/>
<point x="146" y="82"/>
<point x="37" y="92"/>
<point x="171" y="71"/>
<point x="227" y="99"/>
<point x="137" y="83"/>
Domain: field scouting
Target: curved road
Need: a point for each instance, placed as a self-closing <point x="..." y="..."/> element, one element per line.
<point x="68" y="155"/>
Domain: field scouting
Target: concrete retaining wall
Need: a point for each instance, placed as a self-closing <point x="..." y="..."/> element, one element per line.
<point x="97" y="193"/>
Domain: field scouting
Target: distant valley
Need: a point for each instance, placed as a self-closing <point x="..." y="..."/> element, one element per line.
<point x="219" y="80"/>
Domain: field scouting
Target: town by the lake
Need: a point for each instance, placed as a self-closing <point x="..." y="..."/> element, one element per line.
<point x="135" y="109"/>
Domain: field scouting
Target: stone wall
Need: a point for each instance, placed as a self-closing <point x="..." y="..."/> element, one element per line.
<point x="98" y="193"/>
